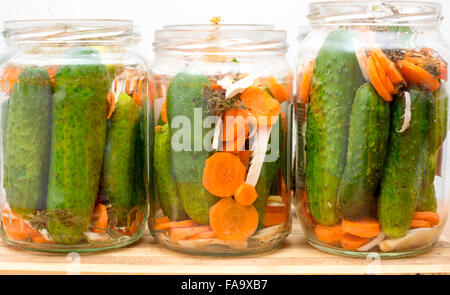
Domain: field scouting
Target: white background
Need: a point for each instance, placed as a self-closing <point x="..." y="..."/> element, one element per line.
<point x="150" y="15"/>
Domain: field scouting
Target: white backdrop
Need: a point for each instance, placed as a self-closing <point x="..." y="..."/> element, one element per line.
<point x="150" y="15"/>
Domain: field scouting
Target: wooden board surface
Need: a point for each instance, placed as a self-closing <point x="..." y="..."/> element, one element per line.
<point x="294" y="256"/>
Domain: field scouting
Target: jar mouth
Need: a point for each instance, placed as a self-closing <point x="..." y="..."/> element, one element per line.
<point x="377" y="12"/>
<point x="226" y="37"/>
<point x="70" y="31"/>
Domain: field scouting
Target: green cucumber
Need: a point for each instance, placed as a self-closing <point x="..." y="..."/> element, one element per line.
<point x="167" y="191"/>
<point x="336" y="77"/>
<point x="28" y="141"/>
<point x="118" y="184"/>
<point x="4" y="124"/>
<point x="367" y="146"/>
<point x="184" y="99"/>
<point x="300" y="163"/>
<point x="402" y="177"/>
<point x="78" y="143"/>
<point x="268" y="173"/>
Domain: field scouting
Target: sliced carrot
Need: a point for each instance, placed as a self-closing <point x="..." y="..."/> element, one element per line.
<point x="350" y="242"/>
<point x="245" y="156"/>
<point x="175" y="224"/>
<point x="216" y="87"/>
<point x="100" y="218"/>
<point x="163" y="219"/>
<point x="223" y="174"/>
<point x="305" y="82"/>
<point x="416" y="223"/>
<point x="203" y="235"/>
<point x="430" y="216"/>
<point x="181" y="233"/>
<point x="137" y="222"/>
<point x="137" y="97"/>
<point x="235" y="125"/>
<point x="164" y="112"/>
<point x="417" y="75"/>
<point x="388" y="66"/>
<point x="51" y="73"/>
<point x="364" y="228"/>
<point x="275" y="215"/>
<point x="263" y="109"/>
<point x="233" y="221"/>
<point x="328" y="234"/>
<point x="376" y="80"/>
<point x="278" y="91"/>
<point x="384" y="78"/>
<point x="245" y="194"/>
<point x="112" y="103"/>
<point x="18" y="229"/>
<point x="9" y="78"/>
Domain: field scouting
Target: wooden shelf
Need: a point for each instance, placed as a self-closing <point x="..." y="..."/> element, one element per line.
<point x="294" y="256"/>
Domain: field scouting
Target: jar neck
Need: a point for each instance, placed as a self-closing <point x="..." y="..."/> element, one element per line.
<point x="69" y="32"/>
<point x="375" y="13"/>
<point x="222" y="40"/>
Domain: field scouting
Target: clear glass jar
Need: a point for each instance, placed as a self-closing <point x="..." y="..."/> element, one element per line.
<point x="73" y="135"/>
<point x="372" y="98"/>
<point x="223" y="189"/>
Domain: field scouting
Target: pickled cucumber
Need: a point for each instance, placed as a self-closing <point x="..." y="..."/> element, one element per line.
<point x="185" y="103"/>
<point x="27" y="141"/>
<point x="402" y="177"/>
<point x="118" y="185"/>
<point x="167" y="191"/>
<point x="367" y="146"/>
<point x="336" y="77"/>
<point x="78" y="143"/>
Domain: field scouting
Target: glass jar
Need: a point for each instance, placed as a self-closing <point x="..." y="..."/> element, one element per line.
<point x="372" y="100"/>
<point x="73" y="97"/>
<point x="223" y="111"/>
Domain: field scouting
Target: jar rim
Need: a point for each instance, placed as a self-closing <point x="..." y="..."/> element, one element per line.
<point x="70" y="31"/>
<point x="223" y="37"/>
<point x="375" y="12"/>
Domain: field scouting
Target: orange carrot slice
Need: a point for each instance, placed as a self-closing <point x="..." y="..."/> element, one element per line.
<point x="376" y="80"/>
<point x="430" y="216"/>
<point x="112" y="102"/>
<point x="175" y="224"/>
<point x="181" y="233"/>
<point x="349" y="242"/>
<point x="263" y="109"/>
<point x="18" y="229"/>
<point x="364" y="228"/>
<point x="9" y="78"/>
<point x="245" y="194"/>
<point x="305" y="82"/>
<point x="275" y="215"/>
<point x="203" y="235"/>
<point x="416" y="223"/>
<point x="328" y="234"/>
<point x="223" y="174"/>
<point x="164" y="112"/>
<point x="417" y="75"/>
<point x="233" y="221"/>
<point x="100" y="218"/>
<point x="235" y="125"/>
<point x="388" y="66"/>
<point x="278" y="91"/>
<point x="245" y="156"/>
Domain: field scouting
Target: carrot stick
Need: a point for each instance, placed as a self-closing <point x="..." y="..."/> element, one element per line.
<point x="163" y="219"/>
<point x="384" y="78"/>
<point x="233" y="221"/>
<point x="234" y="125"/>
<point x="164" y="112"/>
<point x="430" y="216"/>
<point x="263" y="109"/>
<point x="223" y="174"/>
<point x="203" y="235"/>
<point x="9" y="78"/>
<point x="175" y="224"/>
<point x="245" y="194"/>
<point x="364" y="228"/>
<point x="376" y="80"/>
<point x="180" y="233"/>
<point x="112" y="103"/>
<point x="328" y="234"/>
<point x="388" y="66"/>
<point x="305" y="82"/>
<point x="100" y="218"/>
<point x="416" y="223"/>
<point x="417" y="75"/>
<point x="349" y="242"/>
